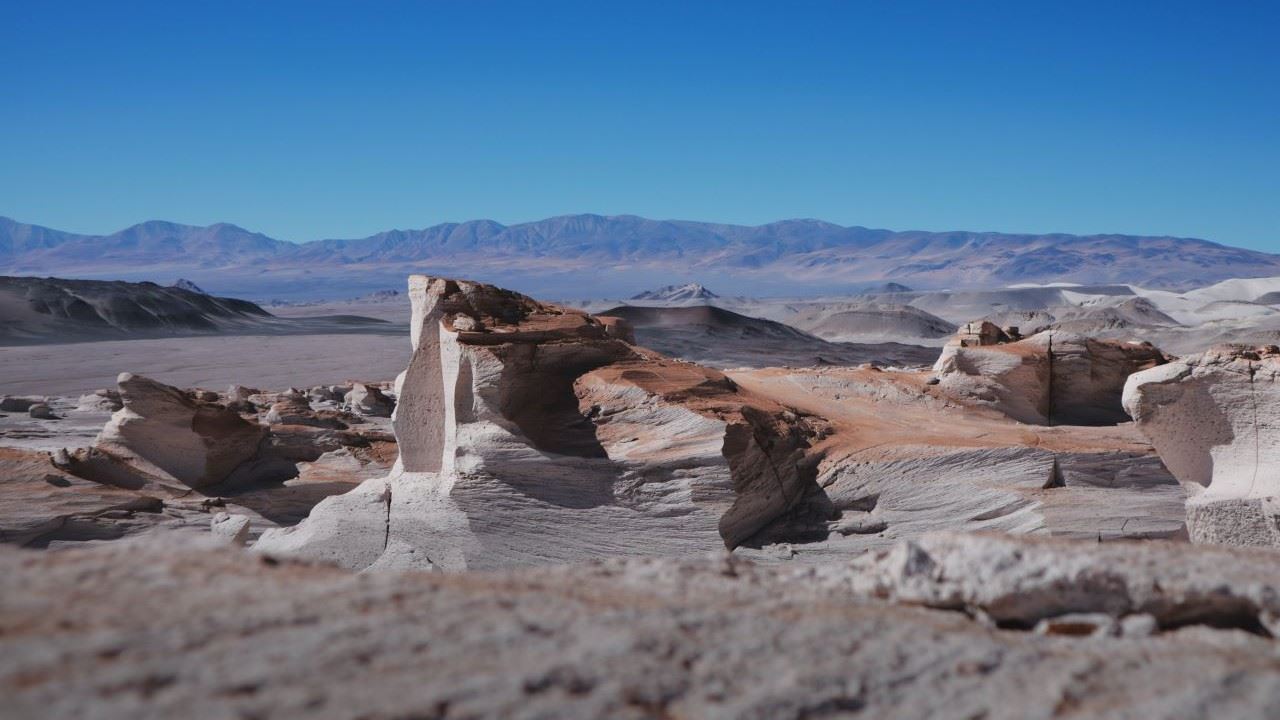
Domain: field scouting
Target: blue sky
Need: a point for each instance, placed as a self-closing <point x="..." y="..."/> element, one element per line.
<point x="311" y="120"/>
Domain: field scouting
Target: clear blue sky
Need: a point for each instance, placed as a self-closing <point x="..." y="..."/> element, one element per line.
<point x="312" y="119"/>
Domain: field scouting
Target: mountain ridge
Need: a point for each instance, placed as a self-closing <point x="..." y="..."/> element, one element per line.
<point x="799" y="250"/>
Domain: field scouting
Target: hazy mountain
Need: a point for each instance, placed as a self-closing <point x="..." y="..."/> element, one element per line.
<point x="185" y="284"/>
<point x="677" y="293"/>
<point x="623" y="251"/>
<point x="719" y="337"/>
<point x="889" y="288"/>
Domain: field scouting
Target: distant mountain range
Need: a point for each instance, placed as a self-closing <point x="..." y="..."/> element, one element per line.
<point x="626" y="253"/>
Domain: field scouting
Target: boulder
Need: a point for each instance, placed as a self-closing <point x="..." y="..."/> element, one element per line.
<point x="166" y="434"/>
<point x="1213" y="419"/>
<point x="99" y="401"/>
<point x="369" y="400"/>
<point x="232" y="528"/>
<point x="40" y="411"/>
<point x="238" y="398"/>
<point x="1051" y="378"/>
<point x="531" y="433"/>
<point x="12" y="403"/>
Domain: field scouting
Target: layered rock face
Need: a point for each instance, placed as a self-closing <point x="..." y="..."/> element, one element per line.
<point x="1213" y="419"/>
<point x="1049" y="378"/>
<point x="531" y="433"/>
<point x="903" y="459"/>
<point x="167" y="434"/>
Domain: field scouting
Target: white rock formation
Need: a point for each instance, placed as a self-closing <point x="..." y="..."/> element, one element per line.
<point x="1215" y="420"/>
<point x="369" y="400"/>
<point x="232" y="528"/>
<point x="100" y="400"/>
<point x="1018" y="582"/>
<point x="1050" y="378"/>
<point x="168" y="436"/>
<point x="538" y="434"/>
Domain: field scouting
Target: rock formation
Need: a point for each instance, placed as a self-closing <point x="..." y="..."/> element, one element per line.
<point x="100" y="400"/>
<point x="38" y="499"/>
<point x="1050" y="378"/>
<point x="18" y="404"/>
<point x="167" y="435"/>
<point x="1212" y="417"/>
<point x="232" y="528"/>
<point x="369" y="400"/>
<point x="41" y="411"/>
<point x="530" y="433"/>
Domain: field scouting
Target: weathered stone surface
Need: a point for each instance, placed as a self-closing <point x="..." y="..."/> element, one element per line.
<point x="1213" y="418"/>
<point x="238" y="397"/>
<point x="166" y="434"/>
<point x="538" y="434"/>
<point x="1019" y="581"/>
<point x="18" y="404"/>
<point x="109" y="632"/>
<point x="100" y="400"/>
<point x="1050" y="378"/>
<point x="369" y="400"/>
<point x="901" y="459"/>
<point x="232" y="528"/>
<point x="1234" y="521"/>
<point x="41" y="411"/>
<point x="38" y="499"/>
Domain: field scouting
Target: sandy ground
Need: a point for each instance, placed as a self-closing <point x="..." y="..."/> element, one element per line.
<point x="271" y="362"/>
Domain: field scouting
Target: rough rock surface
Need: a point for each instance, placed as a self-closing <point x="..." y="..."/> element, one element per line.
<point x="233" y="528"/>
<point x="167" y="434"/>
<point x="369" y="400"/>
<point x="1017" y="582"/>
<point x="110" y="632"/>
<point x="901" y="457"/>
<point x="1051" y="378"/>
<point x="38" y="499"/>
<point x="41" y="411"/>
<point x="1213" y="418"/>
<point x="530" y="433"/>
<point x="18" y="404"/>
<point x="100" y="400"/>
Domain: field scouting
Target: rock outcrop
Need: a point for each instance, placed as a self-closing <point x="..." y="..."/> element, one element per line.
<point x="1213" y="419"/>
<point x="100" y="400"/>
<point x="41" y="411"/>
<point x="232" y="528"/>
<point x="167" y="435"/>
<point x="369" y="400"/>
<point x="531" y="433"/>
<point x="1020" y="582"/>
<point x="903" y="459"/>
<point x="1051" y="378"/>
<point x="38" y="499"/>
<point x="139" y="630"/>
